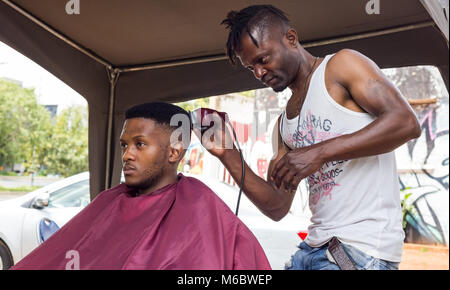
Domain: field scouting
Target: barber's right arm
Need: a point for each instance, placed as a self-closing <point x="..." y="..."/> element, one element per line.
<point x="272" y="201"/>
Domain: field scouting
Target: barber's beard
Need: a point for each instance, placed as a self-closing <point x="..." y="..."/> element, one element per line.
<point x="279" y="88"/>
<point x="281" y="84"/>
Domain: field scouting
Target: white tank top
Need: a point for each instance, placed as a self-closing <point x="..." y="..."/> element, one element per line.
<point x="357" y="200"/>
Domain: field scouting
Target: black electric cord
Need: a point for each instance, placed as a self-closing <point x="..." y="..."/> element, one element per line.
<point x="243" y="169"/>
<point x="242" y="160"/>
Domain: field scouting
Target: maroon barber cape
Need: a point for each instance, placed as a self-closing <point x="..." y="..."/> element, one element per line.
<point x="180" y="226"/>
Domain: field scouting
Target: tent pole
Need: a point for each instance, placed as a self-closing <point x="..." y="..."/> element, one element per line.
<point x="173" y="63"/>
<point x="59" y="35"/>
<point x="370" y="34"/>
<point x="167" y="64"/>
<point x="113" y="76"/>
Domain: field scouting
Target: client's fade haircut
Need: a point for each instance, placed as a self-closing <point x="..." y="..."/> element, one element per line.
<point x="243" y="21"/>
<point x="168" y="115"/>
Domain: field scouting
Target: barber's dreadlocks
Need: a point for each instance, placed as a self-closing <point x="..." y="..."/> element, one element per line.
<point x="239" y="22"/>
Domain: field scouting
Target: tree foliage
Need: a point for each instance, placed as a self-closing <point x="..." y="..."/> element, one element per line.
<point x="194" y="104"/>
<point x="29" y="136"/>
<point x="23" y="124"/>
<point x="67" y="151"/>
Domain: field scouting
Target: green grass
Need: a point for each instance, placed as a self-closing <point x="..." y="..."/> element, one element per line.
<point x="19" y="189"/>
<point x="8" y="173"/>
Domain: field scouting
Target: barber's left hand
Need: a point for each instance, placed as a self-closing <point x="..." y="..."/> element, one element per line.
<point x="296" y="165"/>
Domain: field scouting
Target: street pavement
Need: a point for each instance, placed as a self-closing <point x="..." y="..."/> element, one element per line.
<point x="18" y="181"/>
<point x="7" y="195"/>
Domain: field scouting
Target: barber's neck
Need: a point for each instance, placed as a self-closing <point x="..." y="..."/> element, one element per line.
<point x="306" y="61"/>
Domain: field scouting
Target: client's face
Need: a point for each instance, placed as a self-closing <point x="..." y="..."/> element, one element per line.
<point x="144" y="152"/>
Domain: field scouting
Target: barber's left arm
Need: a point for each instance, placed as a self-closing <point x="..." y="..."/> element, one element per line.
<point x="369" y="88"/>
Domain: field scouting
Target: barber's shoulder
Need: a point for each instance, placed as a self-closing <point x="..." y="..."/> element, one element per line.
<point x="346" y="59"/>
<point x="347" y="64"/>
<point x="348" y="54"/>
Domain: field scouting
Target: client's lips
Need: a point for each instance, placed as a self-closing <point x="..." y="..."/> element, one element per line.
<point x="128" y="169"/>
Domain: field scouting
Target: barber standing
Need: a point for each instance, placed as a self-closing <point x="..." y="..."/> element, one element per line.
<point x="339" y="130"/>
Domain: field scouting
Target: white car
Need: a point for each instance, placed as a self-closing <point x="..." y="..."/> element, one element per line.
<point x="26" y="221"/>
<point x="22" y="219"/>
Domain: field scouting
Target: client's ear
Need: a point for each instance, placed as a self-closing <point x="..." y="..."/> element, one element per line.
<point x="176" y="152"/>
<point x="178" y="144"/>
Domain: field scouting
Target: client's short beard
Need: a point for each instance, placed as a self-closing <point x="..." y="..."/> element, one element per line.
<point x="148" y="182"/>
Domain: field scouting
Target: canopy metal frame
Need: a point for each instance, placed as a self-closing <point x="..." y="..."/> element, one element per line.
<point x="114" y="72"/>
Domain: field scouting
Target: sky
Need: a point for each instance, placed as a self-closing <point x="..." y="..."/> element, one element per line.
<point x="49" y="89"/>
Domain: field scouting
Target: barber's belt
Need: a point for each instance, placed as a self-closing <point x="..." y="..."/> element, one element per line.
<point x="339" y="255"/>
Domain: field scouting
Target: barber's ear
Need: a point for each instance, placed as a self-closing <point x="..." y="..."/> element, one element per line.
<point x="176" y="152"/>
<point x="292" y="37"/>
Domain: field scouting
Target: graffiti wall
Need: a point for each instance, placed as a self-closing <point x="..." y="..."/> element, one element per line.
<point x="423" y="163"/>
<point x="424" y="177"/>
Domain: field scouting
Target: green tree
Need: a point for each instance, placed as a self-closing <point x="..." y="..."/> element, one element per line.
<point x="194" y="104"/>
<point x="67" y="152"/>
<point x="28" y="134"/>
<point x="214" y="102"/>
<point x="23" y="125"/>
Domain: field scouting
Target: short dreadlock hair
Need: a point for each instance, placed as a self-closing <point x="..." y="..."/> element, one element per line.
<point x="239" y="22"/>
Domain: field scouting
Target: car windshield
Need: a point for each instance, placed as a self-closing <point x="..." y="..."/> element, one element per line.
<point x="74" y="195"/>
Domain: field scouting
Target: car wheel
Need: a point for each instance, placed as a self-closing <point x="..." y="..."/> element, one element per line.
<point x="6" y="260"/>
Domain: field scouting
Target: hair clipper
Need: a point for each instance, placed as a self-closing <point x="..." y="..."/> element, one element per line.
<point x="198" y="118"/>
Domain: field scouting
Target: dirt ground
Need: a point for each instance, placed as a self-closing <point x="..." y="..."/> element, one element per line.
<point x="424" y="257"/>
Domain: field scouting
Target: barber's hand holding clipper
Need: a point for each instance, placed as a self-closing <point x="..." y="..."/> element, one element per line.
<point x="213" y="131"/>
<point x="272" y="200"/>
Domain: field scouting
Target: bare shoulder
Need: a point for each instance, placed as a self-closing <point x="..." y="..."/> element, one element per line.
<point x="348" y="65"/>
<point x="348" y="56"/>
